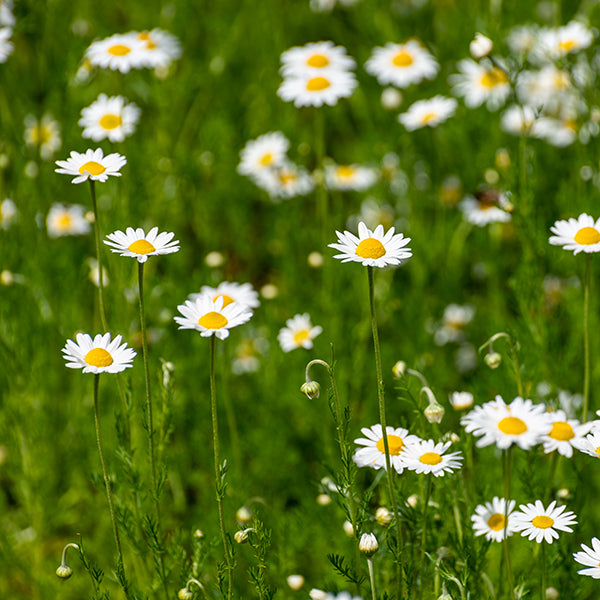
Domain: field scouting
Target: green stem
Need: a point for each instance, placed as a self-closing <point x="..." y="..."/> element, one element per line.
<point x="586" y="337"/>
<point x="428" y="487"/>
<point x="372" y="578"/>
<point x="322" y="199"/>
<point x="553" y="466"/>
<point x="98" y="256"/>
<point x="381" y="398"/>
<point x="543" y="579"/>
<point x="507" y="472"/>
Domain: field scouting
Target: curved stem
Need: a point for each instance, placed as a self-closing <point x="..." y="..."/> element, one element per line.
<point x="586" y="337"/>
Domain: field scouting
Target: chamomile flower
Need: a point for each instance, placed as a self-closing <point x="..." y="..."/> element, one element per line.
<point x="350" y="177"/>
<point x="480" y="83"/>
<point x="298" y="332"/>
<point x="91" y="165"/>
<point x="372" y="248"/>
<point x="372" y="454"/>
<point x="8" y="213"/>
<point x="319" y="89"/>
<point x="558" y="42"/>
<point x="521" y="422"/>
<point x="485" y="207"/>
<point x="428" y="113"/>
<point x="67" y="219"/>
<point x="402" y="64"/>
<point x="452" y="328"/>
<point x="490" y="519"/>
<point x="137" y="244"/>
<point x="518" y="120"/>
<point x="265" y="152"/>
<point x="559" y="132"/>
<point x="287" y="180"/>
<point x="565" y="434"/>
<point x="6" y="46"/>
<point x="159" y="48"/>
<point x="590" y="444"/>
<point x="315" y="58"/>
<point x="589" y="558"/>
<point x="241" y="293"/>
<point x="538" y="523"/>
<point x="425" y="456"/>
<point x="211" y="317"/>
<point x="461" y="400"/>
<point x="120" y="52"/>
<point x="98" y="355"/>
<point x="44" y="134"/>
<point x="580" y="235"/>
<point x="111" y="118"/>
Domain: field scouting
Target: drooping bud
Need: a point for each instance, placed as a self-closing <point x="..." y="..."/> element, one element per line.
<point x="434" y="413"/>
<point x="311" y="389"/>
<point x="368" y="544"/>
<point x="493" y="359"/>
<point x="295" y="581"/>
<point x="64" y="571"/>
<point x="481" y="46"/>
<point x="399" y="369"/>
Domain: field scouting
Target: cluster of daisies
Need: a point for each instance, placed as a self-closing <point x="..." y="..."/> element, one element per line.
<point x="7" y="22"/>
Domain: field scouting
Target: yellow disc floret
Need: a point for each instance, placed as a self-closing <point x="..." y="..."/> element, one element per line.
<point x="92" y="167"/>
<point x="370" y="248"/>
<point x="212" y="320"/>
<point x="98" y="357"/>
<point x="141" y="247"/>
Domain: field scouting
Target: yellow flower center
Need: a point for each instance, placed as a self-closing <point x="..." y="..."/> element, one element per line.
<point x="64" y="221"/>
<point x="567" y="45"/>
<point x="212" y="320"/>
<point x="301" y="336"/>
<point x="402" y="59"/>
<point x="287" y="178"/>
<point x="141" y="247"/>
<point x="431" y="458"/>
<point x="40" y="134"/>
<point x="427" y="118"/>
<point x="92" y="167"/>
<point x="227" y="300"/>
<point x="598" y="450"/>
<point x="110" y="121"/>
<point x="587" y="236"/>
<point x="562" y="431"/>
<point x="317" y="61"/>
<point x="345" y="171"/>
<point x="493" y="77"/>
<point x="395" y="445"/>
<point x="119" y="50"/>
<point x="512" y="426"/>
<point x="98" y="357"/>
<point x="317" y="84"/>
<point x="496" y="522"/>
<point x="266" y="160"/>
<point x="370" y="248"/>
<point x="542" y="522"/>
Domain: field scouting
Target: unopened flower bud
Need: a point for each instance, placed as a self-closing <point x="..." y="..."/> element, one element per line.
<point x="481" y="46"/>
<point x="185" y="594"/>
<point x="368" y="544"/>
<point x="434" y="412"/>
<point x="461" y="400"/>
<point x="64" y="571"/>
<point x="323" y="499"/>
<point x="348" y="529"/>
<point x="493" y="360"/>
<point x="312" y="389"/>
<point x="391" y="98"/>
<point x="198" y="534"/>
<point x="241" y="536"/>
<point x="552" y="594"/>
<point x="295" y="581"/>
<point x="316" y="594"/>
<point x="243" y="515"/>
<point x="445" y="596"/>
<point x="383" y="516"/>
<point x="412" y="500"/>
<point x="399" y="369"/>
<point x="563" y="494"/>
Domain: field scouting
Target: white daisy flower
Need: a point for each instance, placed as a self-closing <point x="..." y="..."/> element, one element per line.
<point x="518" y="120"/>
<point x="546" y="88"/>
<point x="522" y="39"/>
<point x="119" y="52"/>
<point x="565" y="434"/>
<point x="402" y="64"/>
<point x="159" y="48"/>
<point x="521" y="422"/>
<point x="8" y="213"/>
<point x="558" y="42"/>
<point x="44" y="134"/>
<point x="589" y="558"/>
<point x="316" y="90"/>
<point x="425" y="456"/>
<point x="241" y="293"/>
<point x="485" y="207"/>
<point x="490" y="519"/>
<point x="479" y="84"/>
<point x="341" y="596"/>
<point x="314" y="58"/>
<point x="287" y="180"/>
<point x="556" y="132"/>
<point x="454" y="321"/>
<point x="91" y="165"/>
<point x="428" y="113"/>
<point x="67" y="219"/>
<point x="372" y="248"/>
<point x="298" y="333"/>
<point x="461" y="400"/>
<point x="137" y="244"/>
<point x="538" y="523"/>
<point x="265" y="152"/>
<point x="580" y="235"/>
<point x="210" y="317"/>
<point x="373" y="453"/>
<point x="98" y="355"/>
<point x="6" y="46"/>
<point x="350" y="177"/>
<point x="7" y="19"/>
<point x="110" y="118"/>
<point x="590" y="444"/>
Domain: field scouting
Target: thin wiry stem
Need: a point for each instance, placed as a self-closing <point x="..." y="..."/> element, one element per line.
<point x="507" y="472"/>
<point x="98" y="256"/>
<point x="586" y="337"/>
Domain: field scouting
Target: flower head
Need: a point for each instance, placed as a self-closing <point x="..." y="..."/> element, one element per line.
<point x="490" y="519"/>
<point x="428" y="457"/>
<point x="241" y="293"/>
<point x="461" y="400"/>
<point x="484" y="207"/>
<point x="98" y="355"/>
<point x="580" y="235"/>
<point x="298" y="333"/>
<point x="44" y="134"/>
<point x="119" y="52"/>
<point x="590" y="444"/>
<point x="479" y="84"/>
<point x="428" y="113"/>
<point x="6" y="46"/>
<point x="159" y="48"/>
<point x="589" y="558"/>
<point x="480" y="46"/>
<point x="350" y="177"/>
<point x="285" y="181"/>
<point x="67" y="219"/>
<point x="315" y="58"/>
<point x="8" y="213"/>
<point x="565" y="434"/>
<point x="137" y="244"/>
<point x="539" y="523"/>
<point x="265" y="152"/>
<point x="316" y="90"/>
<point x="91" y="165"/>
<point x="109" y="118"/>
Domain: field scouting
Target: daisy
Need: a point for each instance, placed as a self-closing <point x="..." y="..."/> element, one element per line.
<point x="350" y="177"/>
<point x="98" y="355"/>
<point x="565" y="434"/>
<point x="298" y="333"/>
<point x="558" y="42"/>
<point x="479" y="84"/>
<point x="91" y="165"/>
<point x="556" y="132"/>
<point x="455" y="318"/>
<point x="590" y="444"/>
<point x="265" y="152"/>
<point x="521" y="422"/>
<point x="285" y="181"/>
<point x="6" y="15"/>
<point x="425" y="456"/>
<point x="44" y="134"/>
<point x="210" y="317"/>
<point x="372" y="248"/>
<point x="315" y="58"/>
<point x="373" y="453"/>
<point x="6" y="46"/>
<point x="402" y="64"/>
<point x="539" y="523"/>
<point x="67" y="219"/>
<point x="8" y="213"/>
<point x="119" y="52"/>
<point x="485" y="207"/>
<point x="580" y="235"/>
<point x="110" y="118"/>
<point x="428" y="113"/>
<point x="241" y="293"/>
<point x="522" y="39"/>
<point x="590" y="558"/>
<point x="518" y="120"/>
<point x="490" y="519"/>
<point x="159" y="48"/>
<point x="137" y="244"/>
<point x="319" y="89"/>
<point x="545" y="88"/>
<point x="461" y="400"/>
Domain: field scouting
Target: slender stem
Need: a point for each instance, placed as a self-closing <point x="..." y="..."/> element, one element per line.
<point x="98" y="256"/>
<point x="428" y="487"/>
<point x="507" y="469"/>
<point x="372" y="578"/>
<point x="553" y="466"/>
<point x="381" y="398"/>
<point x="543" y="579"/>
<point x="218" y="475"/>
<point x="586" y="337"/>
<point x="322" y="199"/>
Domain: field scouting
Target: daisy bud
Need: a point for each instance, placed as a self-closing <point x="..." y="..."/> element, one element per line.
<point x="7" y="278"/>
<point x="316" y="594"/>
<point x="391" y="98"/>
<point x="563" y="494"/>
<point x="383" y="516"/>
<point x="198" y="534"/>
<point x="481" y="46"/>
<point x="412" y="500"/>
<point x="214" y="259"/>
<point x="241" y="536"/>
<point x="552" y="594"/>
<point x="323" y="499"/>
<point x="461" y="400"/>
<point x="368" y="544"/>
<point x="64" y="571"/>
<point x="399" y="369"/>
<point x="243" y="515"/>
<point x="434" y="412"/>
<point x="493" y="360"/>
<point x="348" y="529"/>
<point x="185" y="594"/>
<point x="312" y="389"/>
<point x="445" y="596"/>
<point x="295" y="581"/>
